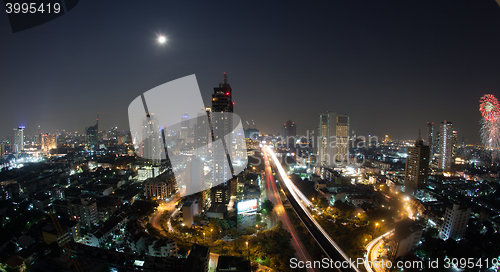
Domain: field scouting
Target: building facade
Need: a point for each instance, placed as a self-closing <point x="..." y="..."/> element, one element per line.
<point x="154" y="188"/>
<point x="18" y="145"/>
<point x="222" y="127"/>
<point x="455" y="222"/>
<point x="417" y="167"/>
<point x="83" y="210"/>
<point x="332" y="139"/>
<point x="445" y="146"/>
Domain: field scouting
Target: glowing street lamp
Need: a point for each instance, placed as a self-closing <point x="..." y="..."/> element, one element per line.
<point x="248" y="251"/>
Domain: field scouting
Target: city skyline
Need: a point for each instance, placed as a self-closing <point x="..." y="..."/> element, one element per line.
<point x="376" y="63"/>
<point x="245" y="136"/>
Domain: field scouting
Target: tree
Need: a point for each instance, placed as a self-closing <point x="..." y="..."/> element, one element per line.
<point x="267" y="207"/>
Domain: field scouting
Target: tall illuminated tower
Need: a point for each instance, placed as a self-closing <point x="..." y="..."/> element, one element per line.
<point x="342" y="133"/>
<point x="325" y="128"/>
<point x="430" y="136"/>
<point x="332" y="139"/>
<point x="445" y="145"/>
<point x="18" y="146"/>
<point x="222" y="127"/>
<point x="151" y="147"/>
<point x="184" y="126"/>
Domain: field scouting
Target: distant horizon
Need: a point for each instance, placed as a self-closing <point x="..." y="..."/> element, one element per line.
<point x="392" y="67"/>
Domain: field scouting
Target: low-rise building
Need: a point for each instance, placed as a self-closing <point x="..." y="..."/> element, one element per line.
<point x="83" y="210"/>
<point x="163" y="248"/>
<point x="189" y="209"/>
<point x="455" y="222"/>
<point x="407" y="234"/>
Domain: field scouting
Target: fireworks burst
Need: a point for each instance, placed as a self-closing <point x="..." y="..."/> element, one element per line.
<point x="490" y="123"/>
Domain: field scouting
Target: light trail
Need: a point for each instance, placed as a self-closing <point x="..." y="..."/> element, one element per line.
<point x="369" y="253"/>
<point x="410" y="213"/>
<point x="273" y="195"/>
<point x="303" y="202"/>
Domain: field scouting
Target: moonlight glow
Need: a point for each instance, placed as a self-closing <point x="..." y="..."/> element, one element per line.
<point x="162" y="39"/>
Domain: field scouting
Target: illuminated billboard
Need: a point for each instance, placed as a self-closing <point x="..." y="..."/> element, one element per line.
<point x="246" y="206"/>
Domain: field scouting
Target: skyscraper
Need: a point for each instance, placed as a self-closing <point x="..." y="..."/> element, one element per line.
<point x="289" y="133"/>
<point x="152" y="147"/>
<point x="201" y="134"/>
<point x="325" y="127"/>
<point x="18" y="146"/>
<point x="445" y="145"/>
<point x="430" y="136"/>
<point x="417" y="167"/>
<point x="342" y="133"/>
<point x="332" y="139"/>
<point x="184" y="126"/>
<point x="454" y="145"/>
<point x="221" y="126"/>
<point x="93" y="136"/>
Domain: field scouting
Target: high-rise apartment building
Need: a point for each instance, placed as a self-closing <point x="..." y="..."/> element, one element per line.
<point x="332" y="139"/>
<point x="430" y="136"/>
<point x="417" y="167"/>
<point x="151" y="143"/>
<point x="445" y="145"/>
<point x="455" y="222"/>
<point x="454" y="144"/>
<point x="185" y="126"/>
<point x="202" y="135"/>
<point x="83" y="210"/>
<point x="93" y="136"/>
<point x="342" y="133"/>
<point x="18" y="145"/>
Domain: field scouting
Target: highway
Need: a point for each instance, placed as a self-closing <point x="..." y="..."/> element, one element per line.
<point x="301" y="252"/>
<point x="301" y="205"/>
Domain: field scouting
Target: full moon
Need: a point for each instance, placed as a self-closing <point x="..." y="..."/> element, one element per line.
<point x="162" y="39"/>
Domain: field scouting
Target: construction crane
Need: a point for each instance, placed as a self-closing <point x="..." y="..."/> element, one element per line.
<point x="67" y="248"/>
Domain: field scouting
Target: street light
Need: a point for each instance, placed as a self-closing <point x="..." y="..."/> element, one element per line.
<point x="248" y="251"/>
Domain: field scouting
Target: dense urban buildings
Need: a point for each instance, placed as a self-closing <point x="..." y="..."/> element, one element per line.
<point x="195" y="177"/>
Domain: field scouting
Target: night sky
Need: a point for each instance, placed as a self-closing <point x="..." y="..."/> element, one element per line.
<point x="391" y="66"/>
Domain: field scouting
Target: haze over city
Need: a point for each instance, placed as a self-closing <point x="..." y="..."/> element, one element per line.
<point x="391" y="66"/>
